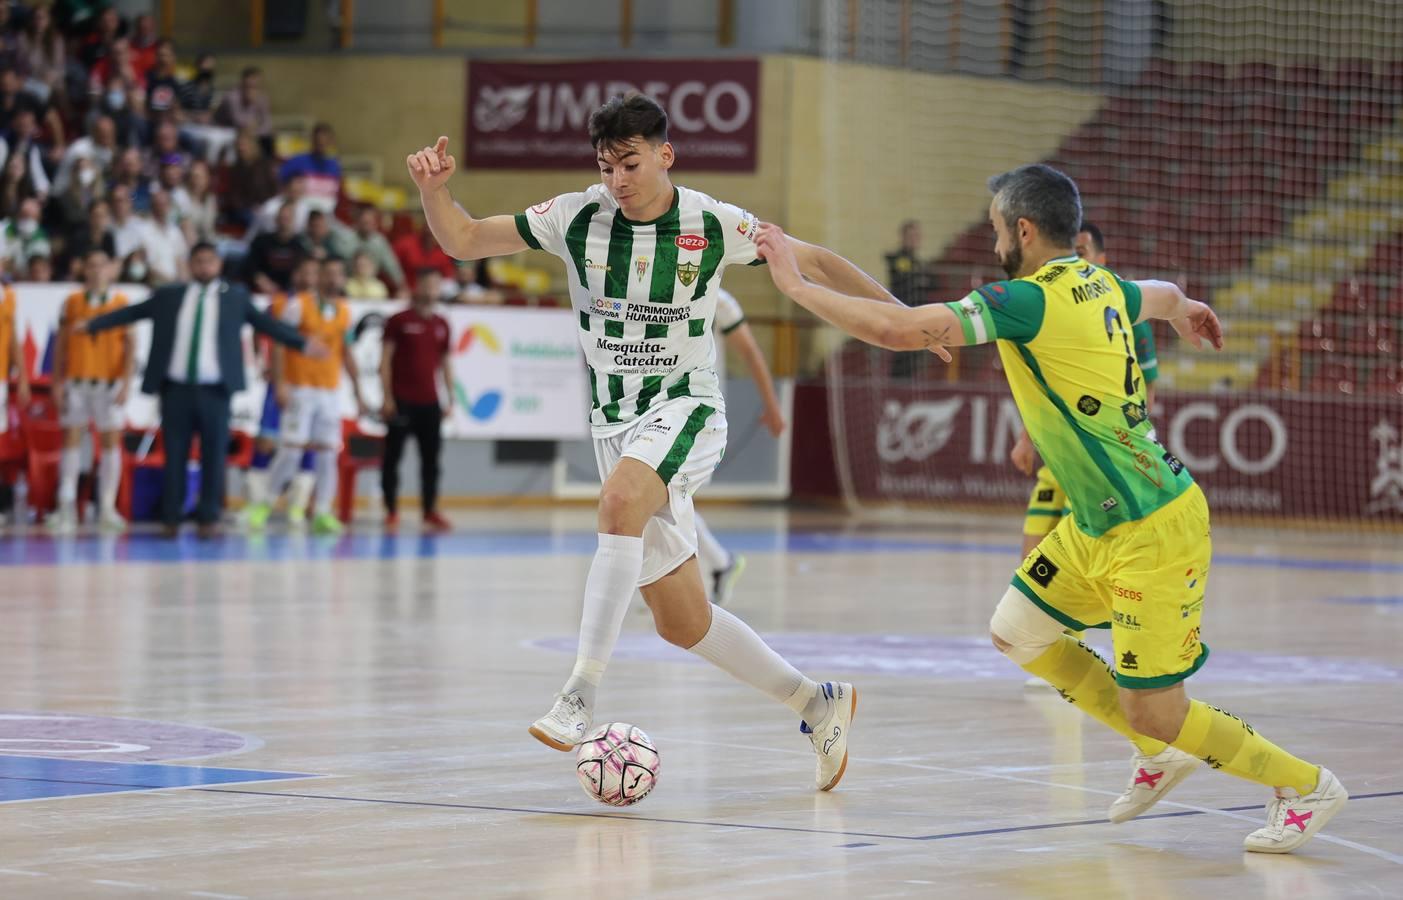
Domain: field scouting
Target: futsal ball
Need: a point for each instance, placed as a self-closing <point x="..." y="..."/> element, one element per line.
<point x="617" y="764"/>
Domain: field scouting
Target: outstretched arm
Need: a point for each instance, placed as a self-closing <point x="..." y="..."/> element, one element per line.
<point x="459" y="234"/>
<point x="824" y="267"/>
<point x="1194" y="321"/>
<point x="743" y="341"/>
<point x="890" y="325"/>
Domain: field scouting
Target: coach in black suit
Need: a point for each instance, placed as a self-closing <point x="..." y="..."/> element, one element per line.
<point x="195" y="363"/>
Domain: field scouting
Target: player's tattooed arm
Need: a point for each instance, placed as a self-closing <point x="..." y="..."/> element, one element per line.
<point x="824" y="267"/>
<point x="886" y="325"/>
<point x="1194" y="321"/>
<point x="459" y="234"/>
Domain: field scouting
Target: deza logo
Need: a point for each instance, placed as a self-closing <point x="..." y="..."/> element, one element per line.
<point x="691" y="242"/>
<point x="489" y="402"/>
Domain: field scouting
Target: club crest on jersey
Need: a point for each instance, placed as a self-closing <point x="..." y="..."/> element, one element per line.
<point x="687" y="273"/>
<point x="691" y="242"/>
<point x="640" y="267"/>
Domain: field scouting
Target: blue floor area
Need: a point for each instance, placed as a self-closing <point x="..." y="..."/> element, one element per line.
<point x="43" y="778"/>
<point x="149" y="548"/>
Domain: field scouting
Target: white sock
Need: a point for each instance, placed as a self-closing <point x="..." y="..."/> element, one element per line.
<point x="735" y="648"/>
<point x="68" y="463"/>
<point x="325" y="467"/>
<point x="613" y="577"/>
<point x="109" y="478"/>
<point x="303" y="483"/>
<point x="256" y="484"/>
<point x="711" y="556"/>
<point x="281" y="469"/>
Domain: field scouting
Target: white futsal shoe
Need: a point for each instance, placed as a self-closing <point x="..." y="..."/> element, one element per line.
<point x="1151" y="777"/>
<point x="830" y="739"/>
<point x="111" y="520"/>
<point x="566" y="723"/>
<point x="1293" y="820"/>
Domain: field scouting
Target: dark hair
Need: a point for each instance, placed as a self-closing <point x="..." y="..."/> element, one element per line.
<point x="250" y="70"/>
<point x="201" y="246"/>
<point x="96" y="248"/>
<point x="314" y="214"/>
<point x="1096" y="237"/>
<point x="1043" y="196"/>
<point x="333" y="258"/>
<point x="625" y="117"/>
<point x="321" y="127"/>
<point x="426" y="271"/>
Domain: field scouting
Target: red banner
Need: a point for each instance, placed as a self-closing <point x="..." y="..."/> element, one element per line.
<point x="1276" y="455"/>
<point x="536" y="115"/>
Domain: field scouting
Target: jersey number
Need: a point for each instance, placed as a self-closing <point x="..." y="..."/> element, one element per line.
<point x="1113" y="319"/>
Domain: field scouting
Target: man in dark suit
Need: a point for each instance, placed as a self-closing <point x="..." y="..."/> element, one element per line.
<point x="195" y="364"/>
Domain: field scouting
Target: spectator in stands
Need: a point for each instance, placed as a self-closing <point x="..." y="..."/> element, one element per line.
<point x="414" y="358"/>
<point x="24" y="237"/>
<point x="252" y="180"/>
<point x="166" y="249"/>
<point x="15" y="186"/>
<point x="116" y="65"/>
<point x="46" y="58"/>
<point x="163" y="85"/>
<point x="99" y="146"/>
<point x="364" y="284"/>
<point x="274" y="255"/>
<point x="126" y="105"/>
<point x="23" y="141"/>
<point x="293" y="194"/>
<point x="128" y="229"/>
<point x="419" y="250"/>
<point x="321" y="168"/>
<point x="145" y="43"/>
<point x="367" y="238"/>
<point x="101" y="39"/>
<point x="134" y="269"/>
<point x="247" y="108"/>
<point x="127" y="171"/>
<point x="165" y="144"/>
<point x="471" y="284"/>
<point x="196" y="203"/>
<point x="197" y="104"/>
<point x="14" y="98"/>
<point x="84" y="189"/>
<point x="11" y="49"/>
<point x="317" y="241"/>
<point x="41" y="269"/>
<point x="94" y="234"/>
<point x="906" y="279"/>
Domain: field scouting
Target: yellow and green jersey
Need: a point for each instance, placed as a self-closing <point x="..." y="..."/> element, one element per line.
<point x="1064" y="334"/>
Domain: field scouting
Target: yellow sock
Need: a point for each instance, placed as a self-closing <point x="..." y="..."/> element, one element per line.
<point x="1085" y="680"/>
<point x="1226" y="742"/>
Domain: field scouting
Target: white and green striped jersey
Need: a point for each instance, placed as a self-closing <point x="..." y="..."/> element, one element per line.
<point x="645" y="293"/>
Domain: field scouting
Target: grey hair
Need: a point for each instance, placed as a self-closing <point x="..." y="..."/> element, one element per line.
<point x="1043" y="196"/>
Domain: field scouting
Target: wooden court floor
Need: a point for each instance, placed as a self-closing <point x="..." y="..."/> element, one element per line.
<point x="291" y="717"/>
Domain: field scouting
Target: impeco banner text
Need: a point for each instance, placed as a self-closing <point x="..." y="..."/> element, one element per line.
<point x="536" y="115"/>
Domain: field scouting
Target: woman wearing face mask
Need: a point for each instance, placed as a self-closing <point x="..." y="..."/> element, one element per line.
<point x="135" y="270"/>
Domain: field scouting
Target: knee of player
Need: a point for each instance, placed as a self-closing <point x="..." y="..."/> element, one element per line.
<point x="1021" y="631"/>
<point x="617" y="509"/>
<point x="674" y="633"/>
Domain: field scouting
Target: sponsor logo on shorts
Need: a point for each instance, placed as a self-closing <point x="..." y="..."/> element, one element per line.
<point x="1173" y="462"/>
<point x="1127" y="621"/>
<point x="541" y="209"/>
<point x="691" y="242"/>
<point x="1109" y="504"/>
<point x="1129" y="661"/>
<point x="1046" y="496"/>
<point x="1042" y="570"/>
<point x="1189" y="609"/>
<point x="1191" y="639"/>
<point x="1126" y="593"/>
<point x="657" y="426"/>
<point x="1134" y="413"/>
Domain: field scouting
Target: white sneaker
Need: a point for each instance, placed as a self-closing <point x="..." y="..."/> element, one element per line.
<point x="566" y="723"/>
<point x="830" y="739"/>
<point x="111" y="520"/>
<point x="1291" y="821"/>
<point x="724" y="580"/>
<point x="63" y="521"/>
<point x="1151" y="778"/>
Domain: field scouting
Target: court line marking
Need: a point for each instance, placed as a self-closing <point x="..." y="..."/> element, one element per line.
<point x="131" y="788"/>
<point x="1229" y="812"/>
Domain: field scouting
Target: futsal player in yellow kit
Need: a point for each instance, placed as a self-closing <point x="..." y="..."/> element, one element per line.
<point x="1133" y="554"/>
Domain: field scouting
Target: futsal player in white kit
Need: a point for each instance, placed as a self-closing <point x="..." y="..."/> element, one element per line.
<point x="643" y="261"/>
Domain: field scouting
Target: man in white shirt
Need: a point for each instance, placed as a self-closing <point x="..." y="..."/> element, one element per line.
<point x="165" y="242"/>
<point x="128" y="228"/>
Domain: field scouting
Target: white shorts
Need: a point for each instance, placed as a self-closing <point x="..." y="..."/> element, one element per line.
<point x="312" y="416"/>
<point x="4" y="406"/>
<point x="92" y="401"/>
<point x="683" y="441"/>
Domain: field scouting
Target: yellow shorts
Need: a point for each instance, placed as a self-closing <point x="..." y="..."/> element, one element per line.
<point x="1046" y="505"/>
<point x="1144" y="580"/>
